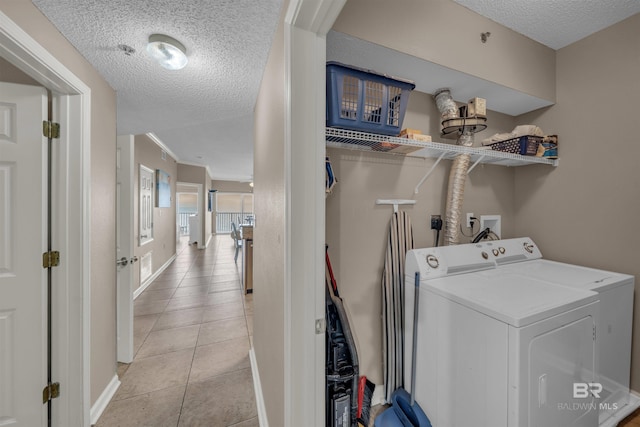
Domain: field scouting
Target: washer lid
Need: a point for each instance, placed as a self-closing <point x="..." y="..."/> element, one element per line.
<point x="512" y="298"/>
<point x="568" y="274"/>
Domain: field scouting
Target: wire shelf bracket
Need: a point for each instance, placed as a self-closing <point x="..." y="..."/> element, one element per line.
<point x="475" y="164"/>
<point x="424" y="178"/>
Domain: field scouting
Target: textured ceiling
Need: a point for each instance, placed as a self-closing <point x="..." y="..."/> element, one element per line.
<point x="554" y="23"/>
<point x="203" y="113"/>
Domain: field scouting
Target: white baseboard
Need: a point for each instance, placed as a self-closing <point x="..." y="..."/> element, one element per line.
<point x="257" y="386"/>
<point x="205" y="245"/>
<point x="153" y="277"/>
<point x="107" y="394"/>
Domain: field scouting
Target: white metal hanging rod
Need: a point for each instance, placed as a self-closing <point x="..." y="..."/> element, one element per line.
<point x="395" y="202"/>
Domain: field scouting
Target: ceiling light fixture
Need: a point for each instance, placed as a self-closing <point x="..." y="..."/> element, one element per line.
<point x="169" y="52"/>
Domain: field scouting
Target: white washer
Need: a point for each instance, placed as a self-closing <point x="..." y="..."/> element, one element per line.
<point x="498" y="350"/>
<point x="613" y="330"/>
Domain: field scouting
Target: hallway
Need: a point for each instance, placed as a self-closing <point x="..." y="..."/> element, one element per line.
<point x="192" y="332"/>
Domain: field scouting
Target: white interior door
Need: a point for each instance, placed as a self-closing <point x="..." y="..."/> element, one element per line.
<point x="124" y="247"/>
<point x="23" y="201"/>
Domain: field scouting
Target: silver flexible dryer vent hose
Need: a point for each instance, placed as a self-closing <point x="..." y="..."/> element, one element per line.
<point x="458" y="175"/>
<point x="455" y="196"/>
<point x="445" y="103"/>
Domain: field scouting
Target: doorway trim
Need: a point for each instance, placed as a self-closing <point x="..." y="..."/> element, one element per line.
<point x="201" y="207"/>
<point x="125" y="247"/>
<point x="72" y="99"/>
<point x="306" y="25"/>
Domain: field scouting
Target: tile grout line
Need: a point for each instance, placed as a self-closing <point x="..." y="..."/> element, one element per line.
<point x="184" y="395"/>
<point x="151" y="330"/>
<point x="186" y="386"/>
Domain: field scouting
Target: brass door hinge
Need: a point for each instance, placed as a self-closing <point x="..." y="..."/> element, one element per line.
<point x="50" y="129"/>
<point x="51" y="391"/>
<point x="50" y="259"/>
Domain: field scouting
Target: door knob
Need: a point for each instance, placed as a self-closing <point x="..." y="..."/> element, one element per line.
<point x="122" y="261"/>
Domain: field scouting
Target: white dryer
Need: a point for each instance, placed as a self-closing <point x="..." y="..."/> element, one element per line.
<point x="498" y="350"/>
<point x="613" y="330"/>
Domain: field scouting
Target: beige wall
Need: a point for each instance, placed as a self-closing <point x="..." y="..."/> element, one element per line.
<point x="231" y="186"/>
<point x="199" y="175"/>
<point x="103" y="179"/>
<point x="586" y="210"/>
<point x="11" y="74"/>
<point x="357" y="229"/>
<point x="163" y="245"/>
<point x="268" y="234"/>
<point x="190" y="173"/>
<point x="448" y="34"/>
<point x="186" y="189"/>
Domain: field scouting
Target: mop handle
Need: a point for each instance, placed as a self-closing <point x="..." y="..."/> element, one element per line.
<point x="415" y="339"/>
<point x="333" y="279"/>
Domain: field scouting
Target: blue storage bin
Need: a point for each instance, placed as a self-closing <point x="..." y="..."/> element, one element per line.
<point x="524" y="145"/>
<point x="364" y="100"/>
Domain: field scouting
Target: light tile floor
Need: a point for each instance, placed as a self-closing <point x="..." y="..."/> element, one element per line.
<point x="192" y="334"/>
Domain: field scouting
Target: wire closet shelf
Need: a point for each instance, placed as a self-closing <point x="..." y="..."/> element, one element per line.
<point x="363" y="141"/>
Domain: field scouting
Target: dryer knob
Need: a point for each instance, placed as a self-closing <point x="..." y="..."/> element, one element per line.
<point x="485" y="255"/>
<point x="432" y="261"/>
<point x="528" y="247"/>
<point x="502" y="250"/>
<point x="496" y="252"/>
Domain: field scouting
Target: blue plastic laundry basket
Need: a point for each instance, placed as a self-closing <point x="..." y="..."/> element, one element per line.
<point x="364" y="100"/>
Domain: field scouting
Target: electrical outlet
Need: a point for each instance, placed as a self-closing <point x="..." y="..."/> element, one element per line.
<point x="469" y="216"/>
<point x="436" y="222"/>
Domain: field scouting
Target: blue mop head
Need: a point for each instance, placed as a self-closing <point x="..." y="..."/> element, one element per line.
<point x="402" y="413"/>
